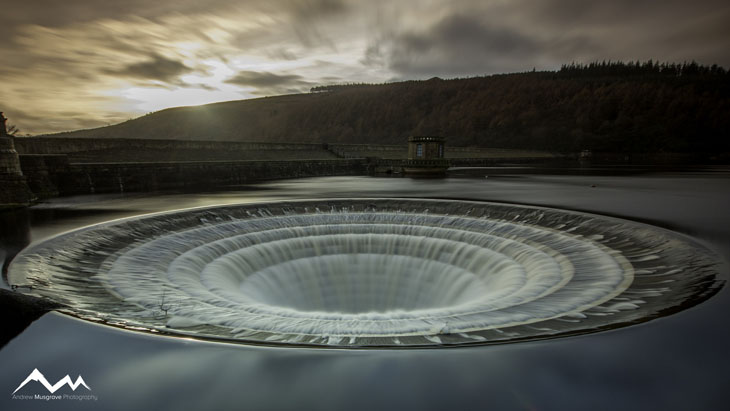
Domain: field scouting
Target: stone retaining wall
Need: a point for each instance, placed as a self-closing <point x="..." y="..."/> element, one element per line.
<point x="62" y="145"/>
<point x="128" y="177"/>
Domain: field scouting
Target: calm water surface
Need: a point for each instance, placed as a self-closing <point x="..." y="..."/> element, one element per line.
<point x="676" y="362"/>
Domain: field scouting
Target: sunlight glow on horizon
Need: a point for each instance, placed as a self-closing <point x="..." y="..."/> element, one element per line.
<point x="197" y="88"/>
<point x="146" y="100"/>
<point x="87" y="64"/>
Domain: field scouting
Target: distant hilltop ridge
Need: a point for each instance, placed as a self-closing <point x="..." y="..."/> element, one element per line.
<point x="616" y="107"/>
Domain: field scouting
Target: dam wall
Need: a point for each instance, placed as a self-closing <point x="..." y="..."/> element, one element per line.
<point x="58" y="166"/>
<point x="51" y="176"/>
<point x="81" y="150"/>
<point x="14" y="190"/>
<point x="369" y="150"/>
<point x="64" y="145"/>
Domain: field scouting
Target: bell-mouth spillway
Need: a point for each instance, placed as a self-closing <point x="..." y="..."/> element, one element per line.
<point x="370" y="272"/>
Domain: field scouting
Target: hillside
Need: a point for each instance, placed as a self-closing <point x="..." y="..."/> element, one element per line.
<point x="603" y="106"/>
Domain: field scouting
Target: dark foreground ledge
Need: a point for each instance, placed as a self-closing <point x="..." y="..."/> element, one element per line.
<point x="19" y="311"/>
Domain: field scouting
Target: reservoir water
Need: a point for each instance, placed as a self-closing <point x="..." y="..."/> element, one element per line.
<point x="677" y="361"/>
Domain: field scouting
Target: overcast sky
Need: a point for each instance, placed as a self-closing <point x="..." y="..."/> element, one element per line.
<point x="86" y="63"/>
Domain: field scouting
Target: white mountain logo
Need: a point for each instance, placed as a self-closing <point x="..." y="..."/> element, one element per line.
<point x="37" y="376"/>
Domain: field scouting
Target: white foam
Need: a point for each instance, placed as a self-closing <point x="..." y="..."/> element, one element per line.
<point x="346" y="274"/>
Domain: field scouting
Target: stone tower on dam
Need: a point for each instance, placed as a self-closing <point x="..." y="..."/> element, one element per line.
<point x="14" y="191"/>
<point x="426" y="156"/>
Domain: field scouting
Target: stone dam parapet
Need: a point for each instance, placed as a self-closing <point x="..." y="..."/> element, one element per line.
<point x="57" y="166"/>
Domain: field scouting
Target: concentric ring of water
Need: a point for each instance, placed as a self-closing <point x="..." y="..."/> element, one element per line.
<point x="370" y="272"/>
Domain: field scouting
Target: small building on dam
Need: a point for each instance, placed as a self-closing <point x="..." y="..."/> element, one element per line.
<point x="426" y="156"/>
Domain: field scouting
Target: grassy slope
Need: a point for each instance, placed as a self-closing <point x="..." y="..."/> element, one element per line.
<point x="549" y="111"/>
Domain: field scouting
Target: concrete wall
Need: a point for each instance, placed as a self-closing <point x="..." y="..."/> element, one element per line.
<point x="41" y="172"/>
<point x="14" y="191"/>
<point x="486" y="152"/>
<point x="61" y="145"/>
<point x="86" y="149"/>
<point x="488" y="162"/>
<point x="81" y="150"/>
<point x="68" y="166"/>
<point x="128" y="177"/>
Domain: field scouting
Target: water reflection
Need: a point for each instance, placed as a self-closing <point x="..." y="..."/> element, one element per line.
<point x="14" y="236"/>
<point x="677" y="362"/>
<point x="626" y="369"/>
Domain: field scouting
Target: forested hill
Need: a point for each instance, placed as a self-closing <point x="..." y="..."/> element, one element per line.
<point x="602" y="106"/>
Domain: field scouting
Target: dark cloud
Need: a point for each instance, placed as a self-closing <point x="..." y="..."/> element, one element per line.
<point x="54" y="13"/>
<point x="462" y="33"/>
<point x="306" y="18"/>
<point x="331" y="80"/>
<point x="483" y="38"/>
<point x="649" y="12"/>
<point x="267" y="83"/>
<point x="314" y="9"/>
<point x="670" y="30"/>
<point x="27" y="121"/>
<point x="465" y="45"/>
<point x="264" y="79"/>
<point x="282" y="54"/>
<point x="157" y="68"/>
<point x="82" y="52"/>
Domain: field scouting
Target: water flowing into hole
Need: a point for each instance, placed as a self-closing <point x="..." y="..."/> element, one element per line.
<point x="370" y="272"/>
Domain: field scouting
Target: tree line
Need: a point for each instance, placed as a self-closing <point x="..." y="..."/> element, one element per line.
<point x="602" y="106"/>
